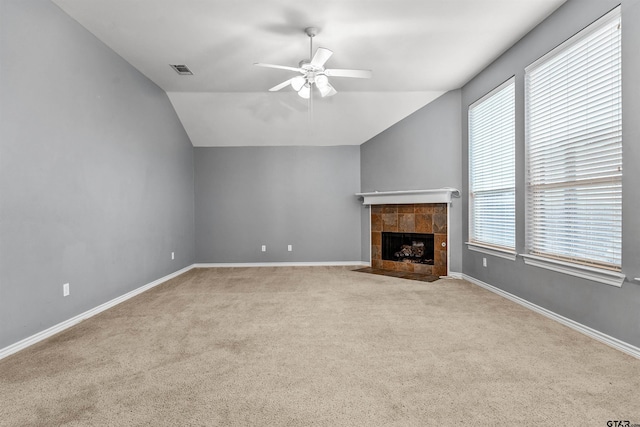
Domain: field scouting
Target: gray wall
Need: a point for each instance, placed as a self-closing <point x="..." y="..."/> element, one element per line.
<point x="611" y="310"/>
<point x="303" y="196"/>
<point x="96" y="173"/>
<point x="421" y="151"/>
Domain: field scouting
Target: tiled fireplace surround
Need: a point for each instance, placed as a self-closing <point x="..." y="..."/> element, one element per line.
<point x="410" y="218"/>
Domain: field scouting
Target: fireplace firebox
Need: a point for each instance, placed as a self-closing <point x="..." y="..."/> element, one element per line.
<point x="416" y="248"/>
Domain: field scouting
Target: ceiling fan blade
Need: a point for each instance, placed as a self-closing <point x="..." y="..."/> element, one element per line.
<point x="321" y="56"/>
<point x="359" y="74"/>
<point x="280" y="86"/>
<point x="327" y="90"/>
<point x="282" y="67"/>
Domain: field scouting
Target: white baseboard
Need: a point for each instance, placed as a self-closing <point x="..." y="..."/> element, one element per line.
<point x="453" y="275"/>
<point x="597" y="335"/>
<point x="281" y="264"/>
<point x="13" y="348"/>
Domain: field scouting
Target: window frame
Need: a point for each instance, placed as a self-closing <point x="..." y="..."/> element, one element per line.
<point x="576" y="265"/>
<point x="474" y="243"/>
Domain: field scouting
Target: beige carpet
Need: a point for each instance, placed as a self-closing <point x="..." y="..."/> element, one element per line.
<point x="317" y="346"/>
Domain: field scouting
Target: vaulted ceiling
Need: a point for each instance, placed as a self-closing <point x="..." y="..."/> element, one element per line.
<point x="417" y="49"/>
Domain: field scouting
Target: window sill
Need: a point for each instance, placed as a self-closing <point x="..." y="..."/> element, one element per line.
<point x="500" y="253"/>
<point x="607" y="277"/>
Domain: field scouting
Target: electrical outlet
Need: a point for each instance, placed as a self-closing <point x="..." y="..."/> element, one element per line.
<point x="264" y="248"/>
<point x="173" y="255"/>
<point x="290" y="248"/>
<point x="65" y="290"/>
<point x="484" y="262"/>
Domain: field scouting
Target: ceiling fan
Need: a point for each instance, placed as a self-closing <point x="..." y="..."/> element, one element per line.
<point x="312" y="72"/>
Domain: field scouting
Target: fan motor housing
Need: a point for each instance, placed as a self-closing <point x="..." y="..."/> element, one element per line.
<point x="311" y="31"/>
<point x="305" y="64"/>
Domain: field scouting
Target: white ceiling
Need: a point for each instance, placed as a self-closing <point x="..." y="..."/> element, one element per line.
<point x="417" y="49"/>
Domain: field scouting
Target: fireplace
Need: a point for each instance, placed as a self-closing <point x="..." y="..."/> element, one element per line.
<point x="400" y="232"/>
<point x="415" y="248"/>
<point x="407" y="212"/>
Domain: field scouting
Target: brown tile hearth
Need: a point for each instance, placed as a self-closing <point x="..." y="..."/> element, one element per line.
<point x="430" y="218"/>
<point x="400" y="274"/>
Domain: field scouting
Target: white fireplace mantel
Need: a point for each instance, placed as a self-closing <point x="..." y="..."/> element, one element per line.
<point x="437" y="195"/>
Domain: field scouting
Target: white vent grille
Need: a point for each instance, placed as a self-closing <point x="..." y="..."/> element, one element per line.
<point x="182" y="69"/>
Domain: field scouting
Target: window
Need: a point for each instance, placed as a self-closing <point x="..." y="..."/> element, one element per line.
<point x="492" y="213"/>
<point x="574" y="149"/>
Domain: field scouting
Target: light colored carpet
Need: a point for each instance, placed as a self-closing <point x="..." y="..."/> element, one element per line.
<point x="317" y="346"/>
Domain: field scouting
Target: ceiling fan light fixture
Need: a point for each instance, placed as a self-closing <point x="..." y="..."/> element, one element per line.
<point x="305" y="91"/>
<point x="322" y="81"/>
<point x="298" y="82"/>
<point x="327" y="90"/>
<point x="313" y="72"/>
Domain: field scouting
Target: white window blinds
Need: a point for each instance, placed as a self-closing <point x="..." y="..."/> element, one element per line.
<point x="492" y="215"/>
<point x="574" y="148"/>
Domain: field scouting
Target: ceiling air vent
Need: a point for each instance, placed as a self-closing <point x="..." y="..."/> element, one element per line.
<point x="182" y="70"/>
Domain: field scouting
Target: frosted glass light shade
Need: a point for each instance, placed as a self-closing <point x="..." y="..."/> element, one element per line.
<point x="322" y="81"/>
<point x="297" y="83"/>
<point x="327" y="90"/>
<point x="305" y="91"/>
